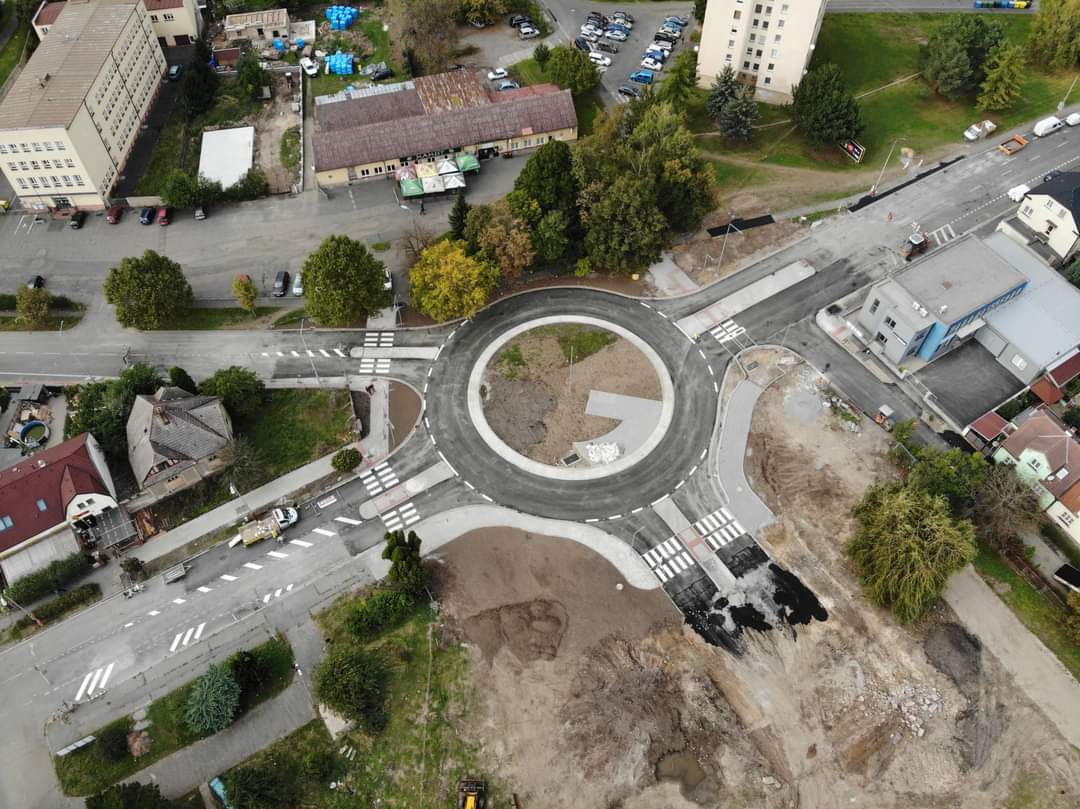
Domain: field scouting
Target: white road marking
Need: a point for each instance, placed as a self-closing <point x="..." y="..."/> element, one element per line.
<point x="278" y="555"/>
<point x="205" y="589"/>
<point x="339" y="352"/>
<point x="227" y="577"/>
<point x="179" y="601"/>
<point x="348" y="520"/>
<point x="300" y="542"/>
<point x="266" y="598"/>
<point x="324" y="352"/>
<point x="187" y="636"/>
<point x="252" y="566"/>
<point x="288" y="588"/>
<point x="324" y="532"/>
<point x="176" y="641"/>
<point x="129" y="624"/>
<point x="152" y="613"/>
<point x="199" y="629"/>
<point x="277" y="593"/>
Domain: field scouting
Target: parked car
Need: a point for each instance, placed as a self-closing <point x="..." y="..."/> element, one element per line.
<point x="517" y="20"/>
<point x="77" y="220"/>
<point x="642" y="76"/>
<point x="913" y="245"/>
<point x="382" y="73"/>
<point x="597" y="17"/>
<point x="35" y="282"/>
<point x="582" y="44"/>
<point x="298" y="285"/>
<point x="1047" y="126"/>
<point x="652" y="64"/>
<point x="616" y="27"/>
<point x="623" y="15"/>
<point x="618" y="36"/>
<point x="175" y="71"/>
<point x="146" y="216"/>
<point x="478" y="24"/>
<point x="200" y="214"/>
<point x="114" y="214"/>
<point x="670" y="31"/>
<point x="629" y="91"/>
<point x="309" y="66"/>
<point x="388" y="280"/>
<point x="528" y="33"/>
<point x="1050" y="175"/>
<point x="606" y="47"/>
<point x="1073" y="119"/>
<point x="281" y="284"/>
<point x="679" y="22"/>
<point x="655" y="53"/>
<point x="662" y="44"/>
<point x="1018" y="192"/>
<point x="164" y="215"/>
<point x="590" y="38"/>
<point x="498" y="73"/>
<point x="508" y="85"/>
<point x="622" y="22"/>
<point x="591" y="29"/>
<point x="664" y="36"/>
<point x="599" y="59"/>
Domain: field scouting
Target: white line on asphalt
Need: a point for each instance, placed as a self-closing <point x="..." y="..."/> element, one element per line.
<point x="187" y="636"/>
<point x="702" y="353"/>
<point x="348" y="520"/>
<point x="662" y="315"/>
<point x="310" y="353"/>
<point x="266" y="353"/>
<point x="278" y="555"/>
<point x="339" y="352"/>
<point x="324" y="532"/>
<point x="429" y="370"/>
<point x="324" y="352"/>
<point x="281" y="353"/>
<point x="711" y="371"/>
<point x="473" y="488"/>
<point x="693" y="470"/>
<point x="85" y="682"/>
<point x="295" y="353"/>
<point x="199" y="629"/>
<point x="659" y="500"/>
<point x="487" y="498"/>
<point x="277" y="593"/>
<point x="326" y="502"/>
<point x="427" y="423"/>
<point x="252" y="566"/>
<point x="227" y="577"/>
<point x="437" y="353"/>
<point x="426" y="387"/>
<point x="300" y="542"/>
<point x="645" y="304"/>
<point x="152" y="613"/>
<point x="638" y="510"/>
<point x="266" y="598"/>
<point x="716" y="387"/>
<point x="593" y="519"/>
<point x="288" y="588"/>
<point x="615" y="517"/>
<point x="129" y="624"/>
<point x="704" y="452"/>
<point x="179" y="601"/>
<point x="176" y="641"/>
<point x="205" y="589"/>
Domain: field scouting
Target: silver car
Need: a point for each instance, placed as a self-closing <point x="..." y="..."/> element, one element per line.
<point x="298" y="284"/>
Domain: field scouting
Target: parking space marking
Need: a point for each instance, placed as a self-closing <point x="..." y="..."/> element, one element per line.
<point x="324" y="532"/>
<point x="300" y="542"/>
<point x="278" y="555"/>
<point x="252" y="566"/>
<point x="348" y="520"/>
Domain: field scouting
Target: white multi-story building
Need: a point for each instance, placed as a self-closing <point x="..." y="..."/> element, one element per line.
<point x="176" y="22"/>
<point x="767" y="44"/>
<point x="69" y="121"/>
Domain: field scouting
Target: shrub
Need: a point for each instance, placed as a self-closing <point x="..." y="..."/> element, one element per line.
<point x="353" y="681"/>
<point x="318" y="765"/>
<point x="113" y="740"/>
<point x="271" y="783"/>
<point x="346" y="460"/>
<point x="49" y="579"/>
<point x="62" y="605"/>
<point x="213" y="701"/>
<point x="7" y="302"/>
<point x="134" y="567"/>
<point x="63" y="302"/>
<point x="381" y="610"/>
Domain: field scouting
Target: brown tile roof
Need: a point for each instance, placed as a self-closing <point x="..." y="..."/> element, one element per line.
<point x="391" y="140"/>
<point x="1046" y="390"/>
<point x="52" y="86"/>
<point x="369" y="110"/>
<point x="989" y="425"/>
<point x="1042" y="432"/>
<point x="1071" y="498"/>
<point x="48" y="13"/>
<point x="161" y="5"/>
<point x="54" y="476"/>
<point x="500" y="96"/>
<point x="456" y="90"/>
<point x="1066" y="371"/>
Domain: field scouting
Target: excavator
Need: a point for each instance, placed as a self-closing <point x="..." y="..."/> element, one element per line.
<point x="471" y="793"/>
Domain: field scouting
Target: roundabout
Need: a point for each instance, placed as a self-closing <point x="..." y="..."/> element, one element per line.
<point x="675" y="446"/>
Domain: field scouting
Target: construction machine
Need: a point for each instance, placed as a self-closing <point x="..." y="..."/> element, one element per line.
<point x="472" y="793"/>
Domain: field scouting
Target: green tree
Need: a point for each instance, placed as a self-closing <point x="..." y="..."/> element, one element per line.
<point x="251" y="186"/>
<point x="724" y="88"/>
<point x="505" y="240"/>
<point x="346" y="460"/>
<point x="131" y="795"/>
<point x="272" y="781"/>
<point x="318" y="765"/>
<point x="572" y="70"/>
<point x="541" y="54"/>
<point x="246" y="293"/>
<point x="549" y="237"/>
<point x="353" y="681"/>
<point x="251" y="77"/>
<point x="134" y="567"/>
<point x="957" y="51"/>
<point x="626" y="232"/>
<point x="252" y="673"/>
<point x="148" y="292"/>
<point x="678" y="88"/>
<point x="739" y="116"/>
<point x="457" y="218"/>
<point x="211" y="705"/>
<point x="948" y="67"/>
<point x="953" y="474"/>
<point x="32" y="307"/>
<point x="1071" y="416"/>
<point x="182" y="189"/>
<point x="179" y="378"/>
<point x="699" y="10"/>
<point x="1055" y="35"/>
<point x="406" y="567"/>
<point x="1005" y="74"/>
<point x="200" y="83"/>
<point x="241" y="391"/>
<point x="344" y="282"/>
<point x="102" y="408"/>
<point x="906" y="546"/>
<point x="447" y="283"/>
<point x="548" y="179"/>
<point x="822" y="107"/>
<point x="478" y="218"/>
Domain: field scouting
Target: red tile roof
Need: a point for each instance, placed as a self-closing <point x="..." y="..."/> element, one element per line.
<point x="989" y="426"/>
<point x="1047" y="391"/>
<point x="500" y="96"/>
<point x="49" y="13"/>
<point x="1039" y="430"/>
<point x="1067" y="371"/>
<point x="161" y="5"/>
<point x="54" y="476"/>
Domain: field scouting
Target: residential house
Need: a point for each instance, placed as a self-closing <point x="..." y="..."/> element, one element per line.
<point x="1049" y="218"/>
<point x="175" y="439"/>
<point x="56" y="502"/>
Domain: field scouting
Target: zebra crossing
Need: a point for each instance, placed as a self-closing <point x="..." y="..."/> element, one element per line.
<point x="277" y="593"/>
<point x="668" y="559"/>
<point x="401" y="517"/>
<point x="183" y="638"/>
<point x="719" y="528"/>
<point x="378" y="339"/>
<point x="379" y="479"/>
<point x="95" y="680"/>
<point x="307" y="352"/>
<point x="728" y="330"/>
<point x="369" y="365"/>
<point x="943" y="234"/>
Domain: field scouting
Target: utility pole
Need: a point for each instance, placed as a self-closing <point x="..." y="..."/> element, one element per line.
<point x="888" y="157"/>
<point x="303" y="340"/>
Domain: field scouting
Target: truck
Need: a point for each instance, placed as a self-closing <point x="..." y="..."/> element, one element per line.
<point x="979" y="131"/>
<point x="272" y="526"/>
<point x="1013" y="144"/>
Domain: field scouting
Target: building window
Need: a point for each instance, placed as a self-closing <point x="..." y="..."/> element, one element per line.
<point x="35" y="165"/>
<point x="757" y="65"/>
<point x="779" y="24"/>
<point x="746" y="65"/>
<point x="756" y="23"/>
<point x="881" y="338"/>
<point x="48" y="146"/>
<point x="45" y="164"/>
<point x="757" y="54"/>
<point x="22" y="183"/>
<point x="765" y="24"/>
<point x="775" y="52"/>
<point x="169" y="18"/>
<point x="772" y="66"/>
<point x="153" y="18"/>
<point x="378" y="169"/>
<point x="364" y="172"/>
<point x="42" y="505"/>
<point x="737" y="15"/>
<point x="768" y="9"/>
<point x="37" y="147"/>
<point x="1019" y="362"/>
<point x="874" y="306"/>
<point x="1066" y="518"/>
<point x="757" y="8"/>
<point x="3" y="149"/>
<point x="731" y="43"/>
<point x="784" y="8"/>
<point x="890" y="323"/>
<point x="33" y="182"/>
<point x="753" y="38"/>
<point x="60" y="146"/>
<point x="768" y="80"/>
<point x="13" y="166"/>
<point x="78" y="179"/>
<point x="67" y="180"/>
<point x="6" y="522"/>
<point x="749" y="51"/>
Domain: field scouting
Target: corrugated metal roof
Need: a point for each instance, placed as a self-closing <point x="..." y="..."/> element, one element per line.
<point x="52" y="86"/>
<point x="372" y="109"/>
<point x="443" y="131"/>
<point x="49" y="13"/>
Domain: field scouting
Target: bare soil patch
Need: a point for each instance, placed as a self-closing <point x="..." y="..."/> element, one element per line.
<point x="535" y="401"/>
<point x="271" y="124"/>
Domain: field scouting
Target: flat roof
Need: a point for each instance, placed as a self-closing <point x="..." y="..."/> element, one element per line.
<point x="227" y="154"/>
<point x="968" y="381"/>
<point x="51" y="88"/>
<point x="961" y="276"/>
<point x="1043" y="322"/>
<point x="270" y="16"/>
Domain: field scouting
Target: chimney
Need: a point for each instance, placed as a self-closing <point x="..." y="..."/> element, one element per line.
<point x="44" y="79"/>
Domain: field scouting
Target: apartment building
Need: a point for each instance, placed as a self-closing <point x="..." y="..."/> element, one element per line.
<point x="175" y="22"/>
<point x="767" y="44"/>
<point x="70" y="119"/>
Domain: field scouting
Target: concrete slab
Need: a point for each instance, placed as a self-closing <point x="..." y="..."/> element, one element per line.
<point x="668" y="279"/>
<point x="637" y="419"/>
<point x="392" y="498"/>
<point x="395" y="352"/>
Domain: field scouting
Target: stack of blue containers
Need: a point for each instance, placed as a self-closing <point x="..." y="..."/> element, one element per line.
<point x="279" y="45"/>
<point x="341" y="17"/>
<point x="341" y="64"/>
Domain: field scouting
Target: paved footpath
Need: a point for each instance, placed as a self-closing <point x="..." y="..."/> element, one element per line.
<point x="1042" y="677"/>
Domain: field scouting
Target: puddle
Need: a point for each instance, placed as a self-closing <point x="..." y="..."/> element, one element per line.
<point x="682" y="768"/>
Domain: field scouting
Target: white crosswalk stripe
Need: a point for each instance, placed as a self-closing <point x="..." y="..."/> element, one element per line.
<point x="294" y="353"/>
<point x="190" y="635"/>
<point x="277" y="593"/>
<point x="324" y="352"/>
<point x="728" y="330"/>
<point x="205" y="589"/>
<point x="324" y="532"/>
<point x="378" y="339"/>
<point x="719" y="528"/>
<point x="227" y="577"/>
<point x="300" y="543"/>
<point x="277" y="555"/>
<point x="379" y="479"/>
<point x="252" y="566"/>
<point x="348" y="520"/>
<point x="95" y="680"/>
<point x="401" y="517"/>
<point x="370" y="365"/>
<point x="668" y="559"/>
<point x="943" y="234"/>
<point x="339" y="352"/>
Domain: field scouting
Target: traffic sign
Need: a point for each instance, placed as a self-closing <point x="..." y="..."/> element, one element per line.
<point x="854" y="150"/>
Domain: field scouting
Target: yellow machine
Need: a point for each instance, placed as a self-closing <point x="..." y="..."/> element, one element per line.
<point x="471" y="793"/>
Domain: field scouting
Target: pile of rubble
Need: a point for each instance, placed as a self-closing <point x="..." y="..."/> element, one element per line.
<point x="916" y="706"/>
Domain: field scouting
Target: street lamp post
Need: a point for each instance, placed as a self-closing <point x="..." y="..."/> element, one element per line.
<point x="1065" y="98"/>
<point x="888" y="157"/>
<point x="303" y="340"/>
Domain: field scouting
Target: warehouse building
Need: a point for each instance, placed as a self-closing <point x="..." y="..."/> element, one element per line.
<point x="70" y="119"/>
<point x="379" y="129"/>
<point x="175" y="22"/>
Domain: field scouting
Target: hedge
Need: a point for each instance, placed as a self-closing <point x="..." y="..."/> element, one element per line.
<point x="49" y="579"/>
<point x="7" y="302"/>
<point x="59" y="607"/>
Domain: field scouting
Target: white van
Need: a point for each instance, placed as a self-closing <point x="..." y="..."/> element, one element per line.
<point x="1047" y="126"/>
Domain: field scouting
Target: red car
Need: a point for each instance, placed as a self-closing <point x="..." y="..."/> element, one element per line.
<point x="112" y="216"/>
<point x="164" y="216"/>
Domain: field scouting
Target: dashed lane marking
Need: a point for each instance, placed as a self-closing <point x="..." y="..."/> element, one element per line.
<point x="179" y="601"/>
<point x="324" y="352"/>
<point x="301" y="543"/>
<point x="277" y="555"/>
<point x="325" y="532"/>
<point x="152" y="613"/>
<point x="227" y="577"/>
<point x="205" y="589"/>
<point x="348" y="520"/>
<point x="252" y="566"/>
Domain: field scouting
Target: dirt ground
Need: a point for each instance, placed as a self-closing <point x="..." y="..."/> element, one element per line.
<point x="701" y="257"/>
<point x="270" y="125"/>
<point x="404" y="412"/>
<point x="538" y="407"/>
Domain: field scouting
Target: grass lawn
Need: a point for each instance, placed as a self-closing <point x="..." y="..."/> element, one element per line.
<point x="290" y="318"/>
<point x="372" y="27"/>
<point x="290" y="148"/>
<point x="587" y="106"/>
<point x="90" y="770"/>
<point x="12" y="323"/>
<point x="578" y="340"/>
<point x="207" y="318"/>
<point x="1042" y="616"/>
<point x="180" y="140"/>
<point x="13" y="49"/>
